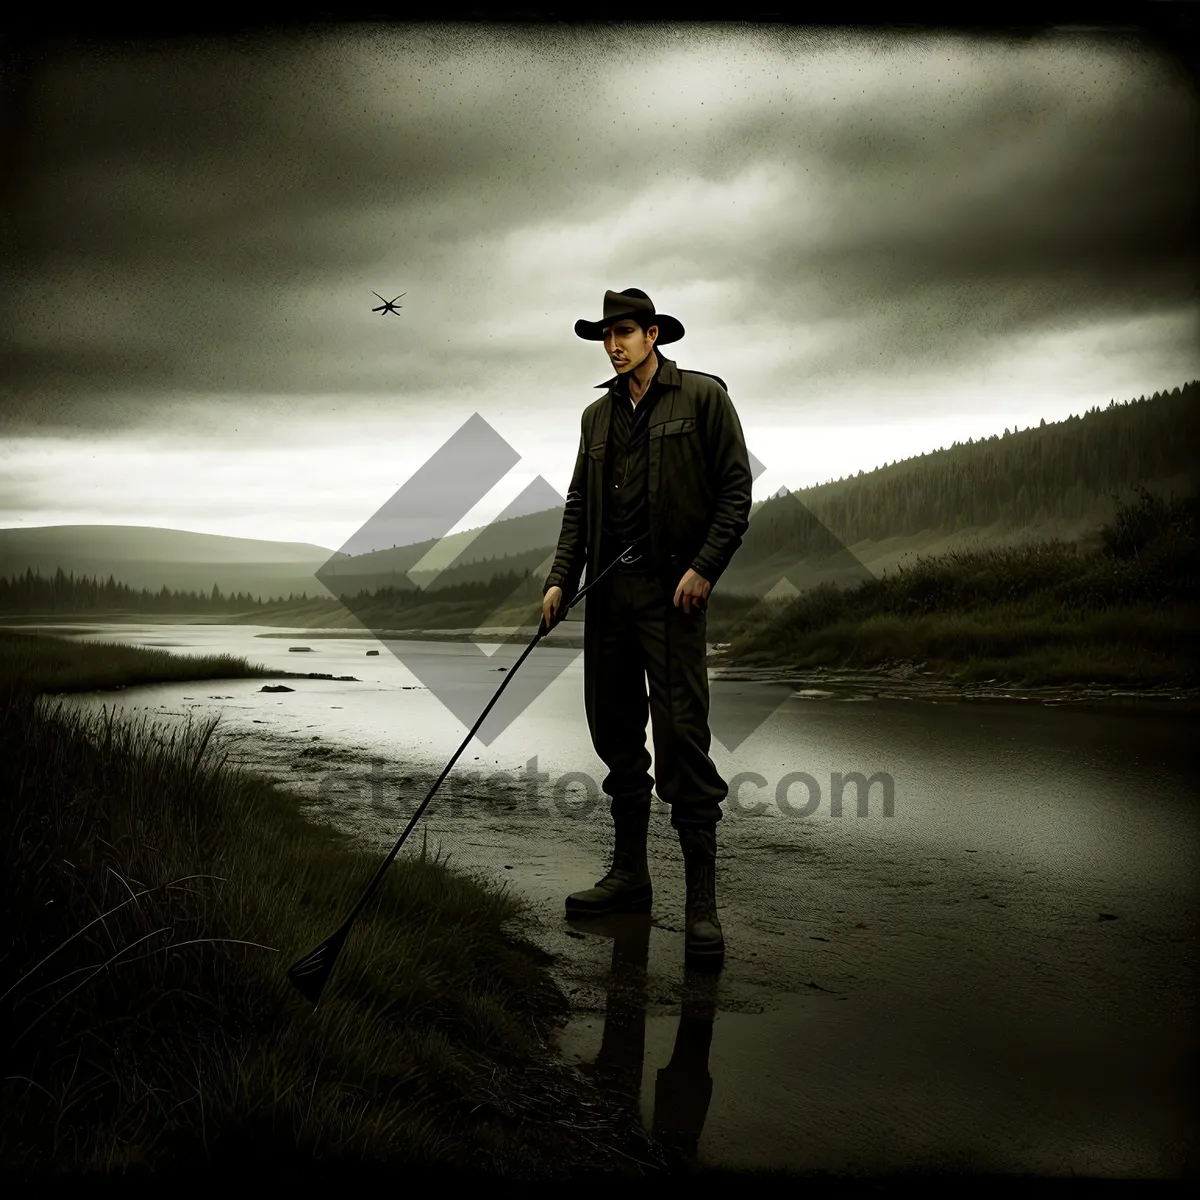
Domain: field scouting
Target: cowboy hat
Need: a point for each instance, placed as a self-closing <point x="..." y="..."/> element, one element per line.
<point x="630" y="303"/>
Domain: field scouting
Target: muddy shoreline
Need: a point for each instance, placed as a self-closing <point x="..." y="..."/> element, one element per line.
<point x="826" y="933"/>
<point x="909" y="681"/>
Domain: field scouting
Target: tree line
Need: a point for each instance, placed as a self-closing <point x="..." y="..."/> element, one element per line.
<point x="63" y="592"/>
<point x="33" y="592"/>
<point x="1064" y="469"/>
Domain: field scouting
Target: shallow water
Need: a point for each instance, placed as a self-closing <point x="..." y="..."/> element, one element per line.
<point x="1000" y="975"/>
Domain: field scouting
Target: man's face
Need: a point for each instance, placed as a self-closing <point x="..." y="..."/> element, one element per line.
<point x="627" y="346"/>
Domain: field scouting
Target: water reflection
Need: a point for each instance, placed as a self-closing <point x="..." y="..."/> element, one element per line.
<point x="683" y="1088"/>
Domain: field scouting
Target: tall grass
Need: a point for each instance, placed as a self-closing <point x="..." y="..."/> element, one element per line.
<point x="45" y="663"/>
<point x="1044" y="612"/>
<point x="154" y="897"/>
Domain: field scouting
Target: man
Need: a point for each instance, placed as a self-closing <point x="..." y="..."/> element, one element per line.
<point x="662" y="462"/>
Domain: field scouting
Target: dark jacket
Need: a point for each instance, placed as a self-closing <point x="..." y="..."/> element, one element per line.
<point x="699" y="486"/>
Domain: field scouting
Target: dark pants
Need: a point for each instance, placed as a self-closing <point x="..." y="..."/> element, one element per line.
<point x="634" y="634"/>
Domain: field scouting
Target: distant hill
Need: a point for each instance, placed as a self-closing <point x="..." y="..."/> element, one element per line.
<point x="1054" y="480"/>
<point x="148" y="543"/>
<point x="1054" y="472"/>
<point x="151" y="557"/>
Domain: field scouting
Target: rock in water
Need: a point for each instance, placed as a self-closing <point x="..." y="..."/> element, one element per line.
<point x="370" y="652"/>
<point x="277" y="688"/>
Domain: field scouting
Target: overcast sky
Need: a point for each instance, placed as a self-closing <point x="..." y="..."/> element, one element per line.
<point x="883" y="243"/>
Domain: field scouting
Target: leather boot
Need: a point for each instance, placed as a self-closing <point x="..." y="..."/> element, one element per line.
<point x="704" y="940"/>
<point x="626" y="887"/>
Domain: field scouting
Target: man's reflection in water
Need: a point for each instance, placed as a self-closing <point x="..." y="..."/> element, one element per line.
<point x="683" y="1088"/>
<point x="618" y="1067"/>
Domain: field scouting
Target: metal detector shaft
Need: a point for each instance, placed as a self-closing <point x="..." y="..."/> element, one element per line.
<point x="312" y="971"/>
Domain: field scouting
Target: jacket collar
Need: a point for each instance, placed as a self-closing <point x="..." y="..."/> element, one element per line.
<point x="667" y="376"/>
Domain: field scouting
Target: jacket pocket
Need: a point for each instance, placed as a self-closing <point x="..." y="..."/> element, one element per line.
<point x="683" y="489"/>
<point x="678" y="425"/>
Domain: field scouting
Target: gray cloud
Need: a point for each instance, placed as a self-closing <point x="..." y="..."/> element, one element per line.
<point x="1088" y="215"/>
<point x="214" y="219"/>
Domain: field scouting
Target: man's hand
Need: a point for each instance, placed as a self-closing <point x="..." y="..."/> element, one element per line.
<point x="551" y="603"/>
<point x="692" y="592"/>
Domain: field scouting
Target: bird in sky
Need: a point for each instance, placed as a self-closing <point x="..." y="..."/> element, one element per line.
<point x="388" y="306"/>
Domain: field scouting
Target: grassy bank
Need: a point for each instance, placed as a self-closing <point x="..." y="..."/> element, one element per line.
<point x="1048" y="612"/>
<point x="54" y="664"/>
<point x="154" y="897"/>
